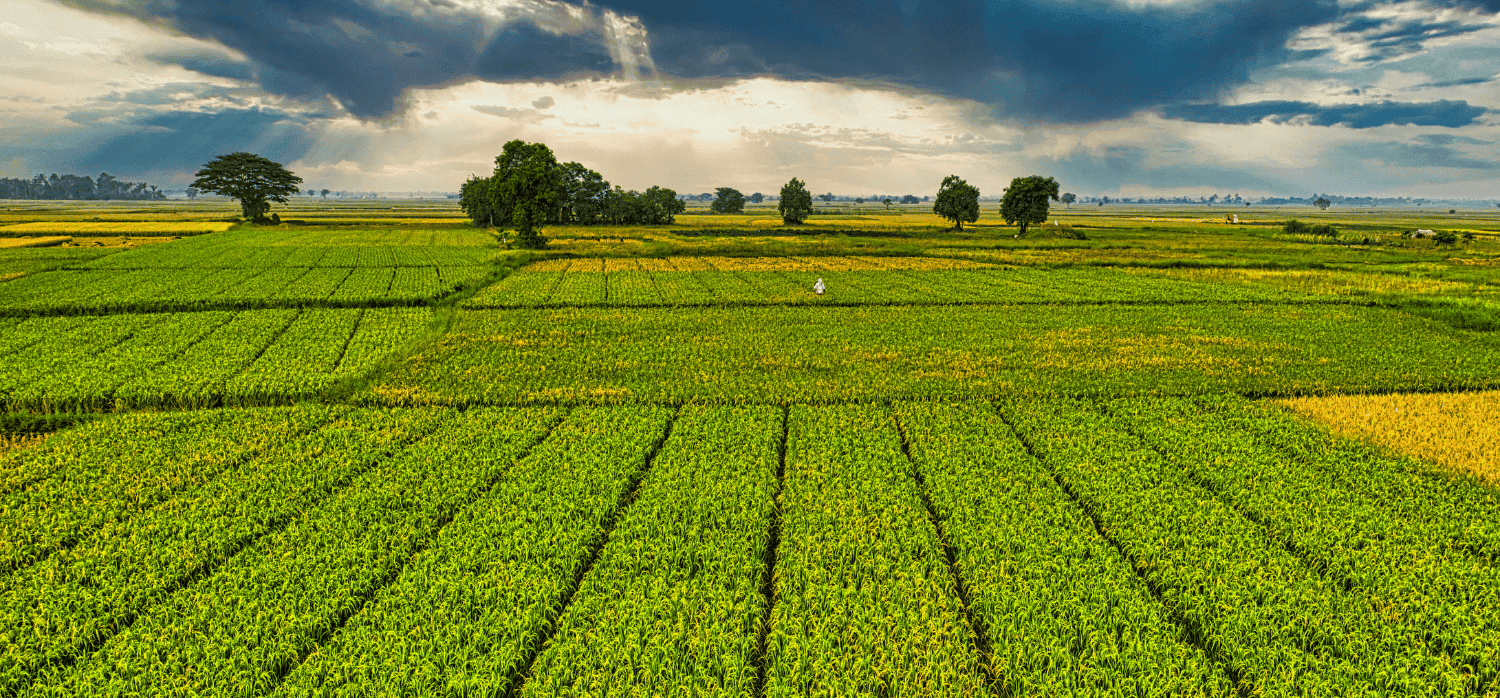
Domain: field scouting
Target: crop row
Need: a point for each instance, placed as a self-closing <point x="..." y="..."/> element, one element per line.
<point x="865" y="603"/>
<point x="242" y="288"/>
<point x="1278" y="624"/>
<point x="135" y="554"/>
<point x="1418" y="546"/>
<point x="674" y="599"/>
<point x="239" y="630"/>
<point x="194" y="359"/>
<point x="528" y="289"/>
<point x="807" y="354"/>
<point x="1063" y="612"/>
<point x="469" y="613"/>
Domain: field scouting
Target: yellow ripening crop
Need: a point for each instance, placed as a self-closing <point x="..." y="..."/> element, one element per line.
<point x="118" y="227"/>
<point x="33" y="242"/>
<point x="1452" y="429"/>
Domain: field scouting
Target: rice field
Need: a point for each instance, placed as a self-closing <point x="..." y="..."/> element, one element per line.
<point x="375" y="452"/>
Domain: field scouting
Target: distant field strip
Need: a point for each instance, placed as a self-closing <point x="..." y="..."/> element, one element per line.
<point x="164" y="360"/>
<point x="148" y="290"/>
<point x="1189" y="547"/>
<point x="789" y="355"/>
<point x="696" y="281"/>
<point x="114" y="228"/>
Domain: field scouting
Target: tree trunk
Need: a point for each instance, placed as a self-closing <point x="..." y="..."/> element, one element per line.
<point x="1023" y="231"/>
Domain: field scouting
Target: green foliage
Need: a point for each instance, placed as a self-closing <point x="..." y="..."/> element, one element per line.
<point x="1322" y="203"/>
<point x="1026" y="201"/>
<point x="251" y="179"/>
<point x="957" y="201"/>
<point x="727" y="200"/>
<point x="1296" y="227"/>
<point x="796" y="202"/>
<point x="475" y="201"/>
<point x="527" y="185"/>
<point x="1445" y="237"/>
<point x="1069" y="198"/>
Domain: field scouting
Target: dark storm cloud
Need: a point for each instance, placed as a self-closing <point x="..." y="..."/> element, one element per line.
<point x="364" y="55"/>
<point x="212" y="64"/>
<point x="1075" y="61"/>
<point x="183" y="141"/>
<point x="1451" y="114"/>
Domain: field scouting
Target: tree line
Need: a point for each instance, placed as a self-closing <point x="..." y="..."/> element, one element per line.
<point x="75" y="188"/>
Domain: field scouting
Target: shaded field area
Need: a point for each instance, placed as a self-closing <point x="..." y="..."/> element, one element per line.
<point x="1183" y="546"/>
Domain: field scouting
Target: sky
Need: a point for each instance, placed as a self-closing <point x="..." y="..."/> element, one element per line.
<point x="1111" y="97"/>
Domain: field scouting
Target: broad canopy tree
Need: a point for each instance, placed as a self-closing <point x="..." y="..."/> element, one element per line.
<point x="795" y="204"/>
<point x="530" y="187"/>
<point x="958" y="201"/>
<point x="1026" y="201"/>
<point x="251" y="179"/>
<point x="727" y="200"/>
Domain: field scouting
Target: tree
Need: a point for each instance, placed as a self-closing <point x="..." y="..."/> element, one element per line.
<point x="859" y="201"/>
<point x="887" y="203"/>
<point x="1069" y="199"/>
<point x="796" y="202"/>
<point x="311" y="193"/>
<point x="252" y="179"/>
<point x="527" y="185"/>
<point x="958" y="201"/>
<point x="909" y="199"/>
<point x="1322" y="203"/>
<point x="757" y="197"/>
<point x="582" y="199"/>
<point x="1026" y="200"/>
<point x="475" y="201"/>
<point x="192" y="192"/>
<point x="727" y="200"/>
<point x="825" y="198"/>
<point x="324" y="193"/>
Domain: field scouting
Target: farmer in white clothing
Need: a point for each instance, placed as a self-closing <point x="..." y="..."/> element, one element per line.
<point x="818" y="287"/>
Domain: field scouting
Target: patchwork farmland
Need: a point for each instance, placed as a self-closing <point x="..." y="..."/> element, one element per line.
<point x="378" y="453"/>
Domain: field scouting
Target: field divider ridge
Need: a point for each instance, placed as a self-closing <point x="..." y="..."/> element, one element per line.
<point x="768" y="575"/>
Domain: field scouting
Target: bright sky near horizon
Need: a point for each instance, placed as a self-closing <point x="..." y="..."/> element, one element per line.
<point x="1112" y="97"/>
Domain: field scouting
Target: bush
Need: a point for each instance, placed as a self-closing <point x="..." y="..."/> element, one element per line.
<point x="1296" y="227"/>
<point x="1445" y="237"/>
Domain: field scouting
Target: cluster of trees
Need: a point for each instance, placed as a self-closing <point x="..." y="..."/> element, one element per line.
<point x="75" y="188"/>
<point x="1026" y="202"/>
<point x="529" y="189"/>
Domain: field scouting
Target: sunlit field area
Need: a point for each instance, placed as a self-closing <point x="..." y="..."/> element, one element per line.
<point x="373" y="450"/>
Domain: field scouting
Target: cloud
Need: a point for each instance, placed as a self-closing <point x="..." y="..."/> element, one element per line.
<point x="367" y="53"/>
<point x="1421" y="154"/>
<point x="1451" y="114"/>
<point x="1052" y="60"/>
<point x="179" y="141"/>
<point x="520" y="115"/>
